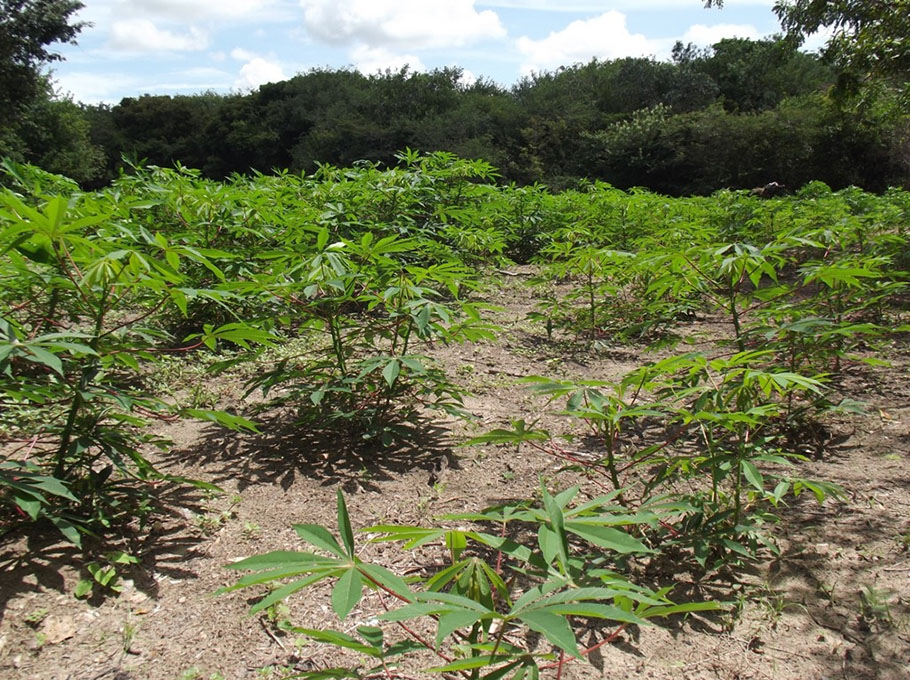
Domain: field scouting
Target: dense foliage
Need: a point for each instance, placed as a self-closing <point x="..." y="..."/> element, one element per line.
<point x="27" y="29"/>
<point x="36" y="124"/>
<point x="319" y="293"/>
<point x="738" y="115"/>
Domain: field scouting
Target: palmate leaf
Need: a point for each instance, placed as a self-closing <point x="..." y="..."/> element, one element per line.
<point x="71" y="531"/>
<point x="280" y="564"/>
<point x="29" y="477"/>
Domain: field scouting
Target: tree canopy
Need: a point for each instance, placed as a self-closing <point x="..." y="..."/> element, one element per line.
<point x="28" y="28"/>
<point x="870" y="38"/>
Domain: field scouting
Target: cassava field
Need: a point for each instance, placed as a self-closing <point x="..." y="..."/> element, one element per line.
<point x="410" y="423"/>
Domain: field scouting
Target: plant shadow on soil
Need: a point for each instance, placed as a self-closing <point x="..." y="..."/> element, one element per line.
<point x="833" y="601"/>
<point x="285" y="449"/>
<point x="36" y="559"/>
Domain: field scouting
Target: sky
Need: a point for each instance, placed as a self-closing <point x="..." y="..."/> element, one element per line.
<point x="135" y="47"/>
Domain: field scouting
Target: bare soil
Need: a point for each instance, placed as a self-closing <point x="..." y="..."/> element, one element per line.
<point x="834" y="604"/>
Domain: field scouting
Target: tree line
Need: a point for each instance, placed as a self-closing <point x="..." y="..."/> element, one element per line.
<point x="736" y="115"/>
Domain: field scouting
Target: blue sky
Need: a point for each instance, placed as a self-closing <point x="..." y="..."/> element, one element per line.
<point x="187" y="46"/>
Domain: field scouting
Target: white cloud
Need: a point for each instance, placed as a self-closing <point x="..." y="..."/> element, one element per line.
<point x="241" y="54"/>
<point x="258" y="71"/>
<point x="605" y="37"/>
<point x="578" y="6"/>
<point x="468" y="78"/>
<point x="94" y="88"/>
<point x="818" y="40"/>
<point x="193" y="10"/>
<point x="370" y="60"/>
<point x="705" y="36"/>
<point x="141" y="35"/>
<point x="409" y="24"/>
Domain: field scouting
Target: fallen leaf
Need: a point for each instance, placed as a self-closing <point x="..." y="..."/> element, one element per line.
<point x="58" y="628"/>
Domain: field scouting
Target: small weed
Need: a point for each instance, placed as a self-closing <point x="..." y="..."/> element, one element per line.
<point x="210" y="524"/>
<point x="250" y="531"/>
<point x="195" y="673"/>
<point x="34" y="618"/>
<point x="276" y="673"/>
<point x="128" y="635"/>
<point x="278" y="615"/>
<point x="423" y="505"/>
<point x="875" y="609"/>
<point x="775" y="604"/>
<point x="826" y="591"/>
<point x="212" y="521"/>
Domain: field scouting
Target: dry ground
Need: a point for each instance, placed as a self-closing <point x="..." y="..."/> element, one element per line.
<point x="835" y="604"/>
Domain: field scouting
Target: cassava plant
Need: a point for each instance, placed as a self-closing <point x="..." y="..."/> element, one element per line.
<point x="371" y="309"/>
<point x="88" y="290"/>
<point x="491" y="591"/>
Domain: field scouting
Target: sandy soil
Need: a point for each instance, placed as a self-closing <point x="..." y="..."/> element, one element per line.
<point x="834" y="604"/>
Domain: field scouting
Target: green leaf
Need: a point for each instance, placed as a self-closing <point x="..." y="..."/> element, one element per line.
<point x="42" y="356"/>
<point x="29" y="503"/>
<point x="592" y="610"/>
<point x="83" y="588"/>
<point x="553" y="627"/>
<point x="278" y="559"/>
<point x="471" y="663"/>
<point x="223" y="418"/>
<point x="321" y="538"/>
<point x="372" y="634"/>
<point x="391" y="371"/>
<point x="558" y="539"/>
<point x="607" y="537"/>
<point x="338" y="639"/>
<point x="412" y="611"/>
<point x="752" y="475"/>
<point x="347" y="593"/>
<point x="670" y="610"/>
<point x="386" y="579"/>
<point x="68" y="529"/>
<point x="453" y="620"/>
<point x="344" y="525"/>
<point x="456" y="542"/>
<point x="285" y="591"/>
